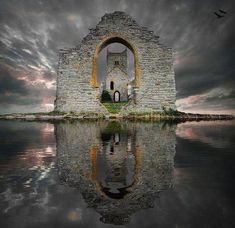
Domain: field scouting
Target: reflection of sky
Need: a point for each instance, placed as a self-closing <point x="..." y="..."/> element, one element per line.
<point x="35" y="152"/>
<point x="208" y="132"/>
<point x="28" y="168"/>
<point x="28" y="178"/>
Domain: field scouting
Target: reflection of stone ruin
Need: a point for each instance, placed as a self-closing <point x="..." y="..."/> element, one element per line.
<point x="116" y="164"/>
<point x="120" y="171"/>
<point x="154" y="83"/>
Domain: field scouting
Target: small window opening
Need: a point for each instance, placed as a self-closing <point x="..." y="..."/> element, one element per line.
<point x="116" y="63"/>
<point x="111" y="85"/>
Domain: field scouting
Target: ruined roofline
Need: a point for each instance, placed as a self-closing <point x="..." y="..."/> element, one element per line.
<point x="111" y="16"/>
<point x="124" y="16"/>
<point x="117" y="14"/>
<point x="120" y="16"/>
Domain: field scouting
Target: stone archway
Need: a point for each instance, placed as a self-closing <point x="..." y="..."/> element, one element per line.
<point x="105" y="42"/>
<point x="77" y="87"/>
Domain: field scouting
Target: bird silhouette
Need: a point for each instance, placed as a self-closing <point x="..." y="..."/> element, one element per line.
<point x="218" y="15"/>
<point x="222" y="11"/>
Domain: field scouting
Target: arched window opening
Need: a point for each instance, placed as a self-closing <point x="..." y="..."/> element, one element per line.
<point x="112" y="85"/>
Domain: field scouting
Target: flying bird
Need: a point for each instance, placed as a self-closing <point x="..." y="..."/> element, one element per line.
<point x="222" y="11"/>
<point x="219" y="15"/>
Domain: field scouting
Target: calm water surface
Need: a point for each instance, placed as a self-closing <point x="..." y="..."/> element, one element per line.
<point x="117" y="174"/>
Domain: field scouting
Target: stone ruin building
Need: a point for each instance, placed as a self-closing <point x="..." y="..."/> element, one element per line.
<point x="116" y="80"/>
<point x="154" y="84"/>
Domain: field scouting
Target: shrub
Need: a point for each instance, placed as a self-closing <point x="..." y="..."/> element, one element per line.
<point x="169" y="111"/>
<point x="105" y="96"/>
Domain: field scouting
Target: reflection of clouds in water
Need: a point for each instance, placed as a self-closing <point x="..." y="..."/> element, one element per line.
<point x="218" y="134"/>
<point x="13" y="199"/>
<point x="28" y="182"/>
<point x="43" y="203"/>
<point x="30" y="192"/>
<point x="37" y="196"/>
<point x="47" y="128"/>
<point x="74" y="215"/>
<point x="44" y="171"/>
<point x="29" y="169"/>
<point x="34" y="155"/>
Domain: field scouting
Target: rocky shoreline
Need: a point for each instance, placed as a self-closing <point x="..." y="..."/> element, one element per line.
<point x="53" y="116"/>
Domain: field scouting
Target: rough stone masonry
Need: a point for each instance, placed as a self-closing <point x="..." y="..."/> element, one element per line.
<point x="77" y="87"/>
<point x="116" y="75"/>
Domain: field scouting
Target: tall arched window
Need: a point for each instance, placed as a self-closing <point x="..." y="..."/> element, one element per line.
<point x="111" y="85"/>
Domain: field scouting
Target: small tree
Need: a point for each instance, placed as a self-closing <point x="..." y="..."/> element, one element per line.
<point x="105" y="97"/>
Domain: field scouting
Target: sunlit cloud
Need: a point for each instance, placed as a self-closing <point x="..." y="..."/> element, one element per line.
<point x="211" y="102"/>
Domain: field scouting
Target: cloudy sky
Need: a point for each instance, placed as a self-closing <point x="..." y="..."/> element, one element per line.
<point x="32" y="31"/>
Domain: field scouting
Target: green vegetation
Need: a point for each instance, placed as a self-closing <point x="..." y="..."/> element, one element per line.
<point x="105" y="97"/>
<point x="113" y="126"/>
<point x="170" y="111"/>
<point x="114" y="107"/>
<point x="54" y="113"/>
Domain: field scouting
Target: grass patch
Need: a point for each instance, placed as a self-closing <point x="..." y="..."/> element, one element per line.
<point x="114" y="107"/>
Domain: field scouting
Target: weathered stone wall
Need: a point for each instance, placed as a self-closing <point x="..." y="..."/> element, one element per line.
<point x="121" y="57"/>
<point x="120" y="82"/>
<point x="117" y="74"/>
<point x="156" y="86"/>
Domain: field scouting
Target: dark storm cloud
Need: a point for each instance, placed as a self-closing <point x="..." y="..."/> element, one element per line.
<point x="10" y="83"/>
<point x="15" y="91"/>
<point x="204" y="50"/>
